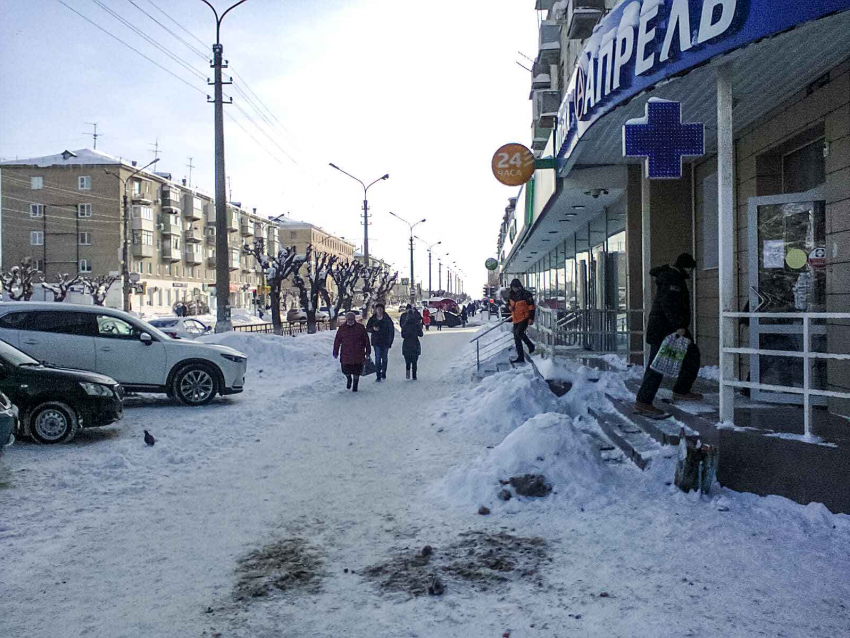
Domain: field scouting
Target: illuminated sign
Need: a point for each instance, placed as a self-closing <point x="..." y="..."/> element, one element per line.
<point x="662" y="139"/>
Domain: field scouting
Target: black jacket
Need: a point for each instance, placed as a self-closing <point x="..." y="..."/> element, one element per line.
<point x="383" y="338"/>
<point x="411" y="330"/>
<point x="671" y="308"/>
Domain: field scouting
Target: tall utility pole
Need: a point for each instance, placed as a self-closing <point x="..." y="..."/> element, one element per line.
<point x="125" y="243"/>
<point x="430" y="290"/>
<point x="94" y="135"/>
<point x="190" y="166"/>
<point x="365" y="209"/>
<point x="411" y="226"/>
<point x="155" y="149"/>
<point x="222" y="251"/>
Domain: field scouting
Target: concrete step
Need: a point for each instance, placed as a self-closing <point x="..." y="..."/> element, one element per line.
<point x="631" y="440"/>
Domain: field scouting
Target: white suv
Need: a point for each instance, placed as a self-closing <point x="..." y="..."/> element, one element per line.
<point x="134" y="353"/>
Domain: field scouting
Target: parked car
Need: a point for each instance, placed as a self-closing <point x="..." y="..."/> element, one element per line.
<point x="139" y="356"/>
<point x="8" y="422"/>
<point x="54" y="403"/>
<point x="299" y="314"/>
<point x="181" y="327"/>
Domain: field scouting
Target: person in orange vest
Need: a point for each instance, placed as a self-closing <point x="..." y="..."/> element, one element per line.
<point x="522" y="316"/>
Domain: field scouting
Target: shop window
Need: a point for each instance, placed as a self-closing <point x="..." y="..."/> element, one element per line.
<point x="804" y="168"/>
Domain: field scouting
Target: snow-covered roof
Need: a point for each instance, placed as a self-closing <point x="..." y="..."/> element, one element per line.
<point x="81" y="157"/>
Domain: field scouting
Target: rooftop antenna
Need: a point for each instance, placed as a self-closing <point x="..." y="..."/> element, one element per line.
<point x="190" y="166"/>
<point x="94" y="134"/>
<point x="155" y="150"/>
<point x="229" y="190"/>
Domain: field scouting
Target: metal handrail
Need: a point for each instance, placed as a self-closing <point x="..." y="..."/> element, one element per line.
<point x="489" y="330"/>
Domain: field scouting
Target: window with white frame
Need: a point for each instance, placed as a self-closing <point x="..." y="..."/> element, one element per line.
<point x="85" y="265"/>
<point x="85" y="238"/>
<point x="83" y="210"/>
<point x="84" y="183"/>
<point x="36" y="183"/>
<point x="167" y="268"/>
<point x="36" y="238"/>
<point x="143" y="238"/>
<point x="36" y="210"/>
<point x="38" y="264"/>
<point x="137" y="187"/>
<point x="142" y="212"/>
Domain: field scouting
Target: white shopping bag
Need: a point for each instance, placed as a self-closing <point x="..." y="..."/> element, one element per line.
<point x="670" y="355"/>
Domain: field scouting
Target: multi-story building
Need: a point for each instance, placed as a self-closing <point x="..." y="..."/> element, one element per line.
<point x="65" y="212"/>
<point x="762" y="205"/>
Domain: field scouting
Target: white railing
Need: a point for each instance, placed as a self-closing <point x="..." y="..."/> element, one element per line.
<point x="592" y="330"/>
<point x="490" y="347"/>
<point x="806" y="355"/>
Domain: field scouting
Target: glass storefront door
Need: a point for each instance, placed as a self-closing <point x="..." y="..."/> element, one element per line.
<point x="787" y="242"/>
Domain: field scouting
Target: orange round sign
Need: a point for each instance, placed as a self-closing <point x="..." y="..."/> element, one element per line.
<point x="513" y="164"/>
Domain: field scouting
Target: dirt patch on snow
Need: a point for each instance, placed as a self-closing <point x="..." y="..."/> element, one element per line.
<point x="289" y="565"/>
<point x="480" y="560"/>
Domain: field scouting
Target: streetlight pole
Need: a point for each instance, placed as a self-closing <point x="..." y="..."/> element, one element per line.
<point x="125" y="241"/>
<point x="365" y="208"/>
<point x="411" y="226"/>
<point x="222" y="251"/>
<point x="430" y="290"/>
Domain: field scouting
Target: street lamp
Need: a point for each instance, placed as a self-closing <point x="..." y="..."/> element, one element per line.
<point x="411" y="226"/>
<point x="125" y="249"/>
<point x="365" y="209"/>
<point x="430" y="292"/>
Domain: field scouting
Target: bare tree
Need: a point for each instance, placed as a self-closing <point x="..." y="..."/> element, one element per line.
<point x="377" y="283"/>
<point x="18" y="280"/>
<point x="345" y="274"/>
<point x="277" y="268"/>
<point x="62" y="287"/>
<point x="98" y="287"/>
<point x="318" y="266"/>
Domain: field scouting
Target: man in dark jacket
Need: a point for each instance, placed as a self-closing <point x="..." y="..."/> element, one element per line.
<point x="411" y="331"/>
<point x="382" y="330"/>
<point x="522" y="316"/>
<point x="351" y="345"/>
<point x="671" y="313"/>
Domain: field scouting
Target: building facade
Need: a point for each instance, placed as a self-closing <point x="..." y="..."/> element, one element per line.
<point x="66" y="212"/>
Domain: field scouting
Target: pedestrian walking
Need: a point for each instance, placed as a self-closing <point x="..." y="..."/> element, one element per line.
<point x="352" y="347"/>
<point x="382" y="330"/>
<point x="671" y="313"/>
<point x="522" y="316"/>
<point x="411" y="330"/>
<point x="426" y="318"/>
<point x="464" y="316"/>
<point x="440" y="317"/>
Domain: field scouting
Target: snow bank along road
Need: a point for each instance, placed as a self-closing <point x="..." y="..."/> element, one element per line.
<point x="106" y="537"/>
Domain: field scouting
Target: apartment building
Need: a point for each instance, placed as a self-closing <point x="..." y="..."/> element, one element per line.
<point x="65" y="212"/>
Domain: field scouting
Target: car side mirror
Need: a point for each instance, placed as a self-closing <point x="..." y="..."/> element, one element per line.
<point x="145" y="338"/>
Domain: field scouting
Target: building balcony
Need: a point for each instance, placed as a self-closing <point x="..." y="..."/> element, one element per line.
<point x="211" y="262"/>
<point x="143" y="198"/>
<point x="550" y="44"/>
<point x="140" y="223"/>
<point x="170" y="253"/>
<point x="232" y="222"/>
<point x="171" y="200"/>
<point x="193" y="256"/>
<point x="192" y="208"/>
<point x="194" y="235"/>
<point x="168" y="227"/>
<point x="210" y="237"/>
<point x="581" y="16"/>
<point x="235" y="265"/>
<point x="142" y="250"/>
<point x="539" y="137"/>
<point x="546" y="105"/>
<point x="246" y="228"/>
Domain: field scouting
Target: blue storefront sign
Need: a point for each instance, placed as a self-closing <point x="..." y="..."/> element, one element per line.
<point x="663" y="139"/>
<point x="643" y="42"/>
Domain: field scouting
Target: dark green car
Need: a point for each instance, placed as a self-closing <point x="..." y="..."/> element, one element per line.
<point x="54" y="403"/>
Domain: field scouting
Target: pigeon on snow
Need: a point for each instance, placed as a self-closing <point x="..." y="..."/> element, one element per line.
<point x="149" y="438"/>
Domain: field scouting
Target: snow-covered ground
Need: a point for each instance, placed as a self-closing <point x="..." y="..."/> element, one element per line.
<point x="106" y="537"/>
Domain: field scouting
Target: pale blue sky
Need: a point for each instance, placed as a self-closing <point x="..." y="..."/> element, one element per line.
<point x="424" y="91"/>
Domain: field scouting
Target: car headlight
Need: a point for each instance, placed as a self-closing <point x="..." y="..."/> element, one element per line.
<point x="235" y="358"/>
<point x="96" y="390"/>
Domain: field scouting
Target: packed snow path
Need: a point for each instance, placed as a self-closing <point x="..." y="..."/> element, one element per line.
<point x="109" y="538"/>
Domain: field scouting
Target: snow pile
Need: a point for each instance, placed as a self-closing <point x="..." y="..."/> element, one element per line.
<point x="589" y="386"/>
<point x="498" y="404"/>
<point x="548" y="444"/>
<point x="300" y="355"/>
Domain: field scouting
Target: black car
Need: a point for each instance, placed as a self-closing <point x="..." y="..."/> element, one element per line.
<point x="56" y="402"/>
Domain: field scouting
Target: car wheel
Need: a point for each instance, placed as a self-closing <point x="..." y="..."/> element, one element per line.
<point x="53" y="422"/>
<point x="195" y="385"/>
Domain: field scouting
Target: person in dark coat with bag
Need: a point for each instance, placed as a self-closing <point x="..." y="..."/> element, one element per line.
<point x="671" y="313"/>
<point x="411" y="331"/>
<point x="382" y="330"/>
<point x="352" y="347"/>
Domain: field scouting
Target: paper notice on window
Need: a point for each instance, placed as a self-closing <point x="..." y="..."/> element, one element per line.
<point x="773" y="253"/>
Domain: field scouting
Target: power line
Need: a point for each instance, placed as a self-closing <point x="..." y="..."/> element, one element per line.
<point x="200" y="54"/>
<point x="203" y="44"/>
<point x="235" y="121"/>
<point x="111" y="35"/>
<point x="142" y="34"/>
<point x="268" y="137"/>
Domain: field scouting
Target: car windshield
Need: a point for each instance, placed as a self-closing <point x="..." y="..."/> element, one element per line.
<point x="163" y="323"/>
<point x="13" y="356"/>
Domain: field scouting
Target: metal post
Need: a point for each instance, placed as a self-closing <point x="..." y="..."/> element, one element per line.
<point x="365" y="228"/>
<point x="430" y="293"/>
<point x="807" y="380"/>
<point x="478" y="355"/>
<point x="726" y="239"/>
<point x="646" y="249"/>
<point x="412" y="285"/>
<point x="125" y="253"/>
<point x="222" y="250"/>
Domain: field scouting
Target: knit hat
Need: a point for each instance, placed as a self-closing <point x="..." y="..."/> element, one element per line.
<point x="685" y="260"/>
<point x="516" y="283"/>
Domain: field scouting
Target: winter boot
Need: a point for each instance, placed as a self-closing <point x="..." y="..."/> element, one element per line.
<point x="531" y="348"/>
<point x="407" y="373"/>
<point x="356" y="381"/>
<point x="414" y="372"/>
<point x="348" y="382"/>
<point x="518" y="360"/>
<point x="689" y="396"/>
<point x="648" y="409"/>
